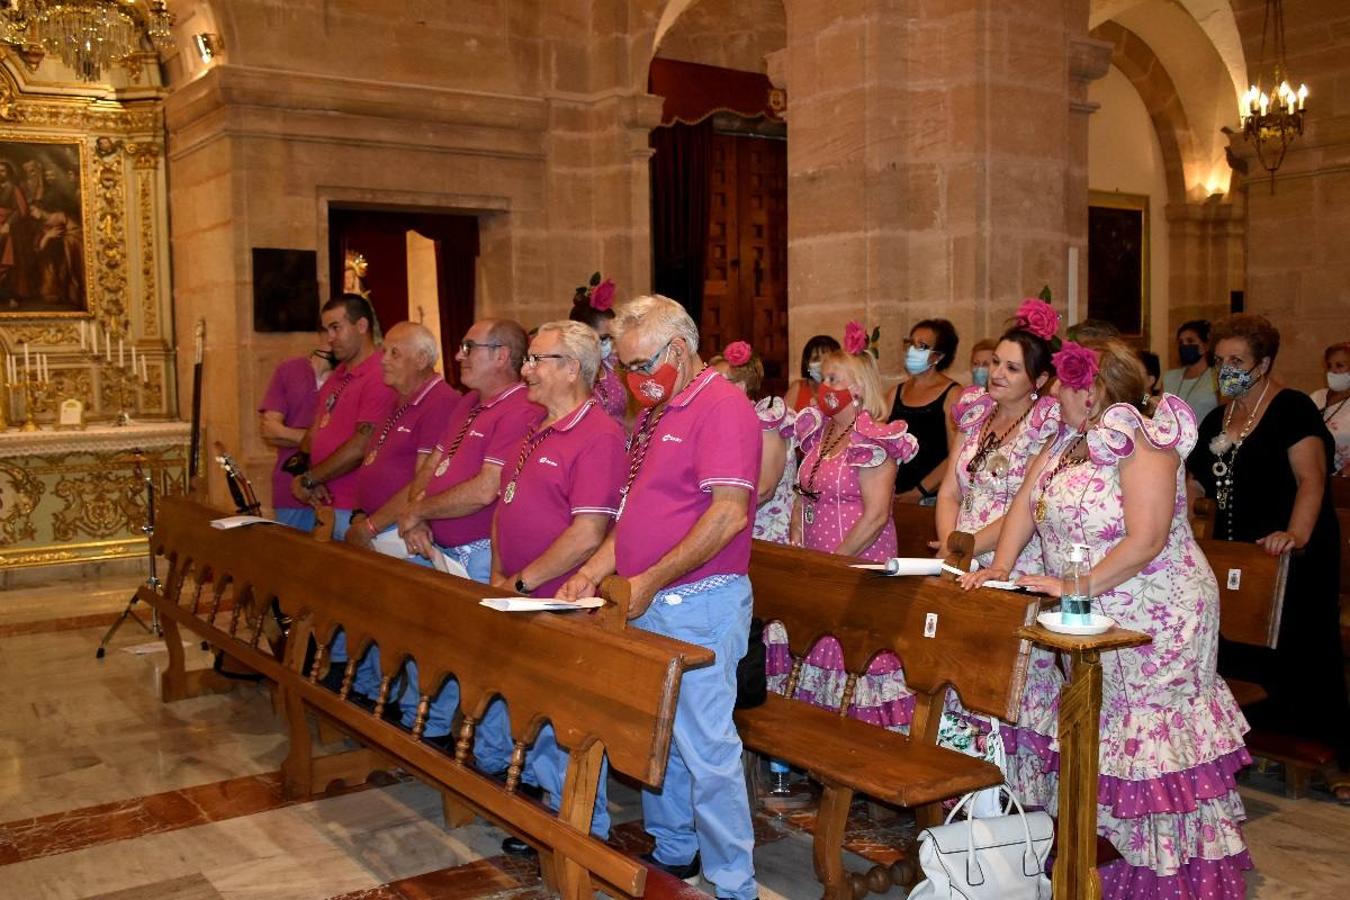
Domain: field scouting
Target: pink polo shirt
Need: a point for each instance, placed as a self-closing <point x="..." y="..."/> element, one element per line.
<point x="396" y="444"/>
<point x="576" y="467"/>
<point x="709" y="436"/>
<point x="294" y="392"/>
<point x="496" y="431"/>
<point x="348" y="398"/>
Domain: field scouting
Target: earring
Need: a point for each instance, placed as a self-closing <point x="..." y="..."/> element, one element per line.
<point x="1035" y="396"/>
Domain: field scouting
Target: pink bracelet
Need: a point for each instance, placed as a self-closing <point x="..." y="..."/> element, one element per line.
<point x="370" y="527"/>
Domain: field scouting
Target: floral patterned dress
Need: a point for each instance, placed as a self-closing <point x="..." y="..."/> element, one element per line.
<point x="880" y="695"/>
<point x="609" y="391"/>
<point x="771" y="518"/>
<point x="1171" y="731"/>
<point x="985" y="496"/>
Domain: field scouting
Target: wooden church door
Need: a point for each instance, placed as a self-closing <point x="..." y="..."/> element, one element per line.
<point x="745" y="273"/>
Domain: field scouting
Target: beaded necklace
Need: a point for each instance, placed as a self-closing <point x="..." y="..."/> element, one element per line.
<point x="1223" y="446"/>
<point x="1066" y="459"/>
<point x="809" y="493"/>
<point x="531" y="444"/>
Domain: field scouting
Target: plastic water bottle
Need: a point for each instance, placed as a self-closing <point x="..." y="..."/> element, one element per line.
<point x="1076" y="594"/>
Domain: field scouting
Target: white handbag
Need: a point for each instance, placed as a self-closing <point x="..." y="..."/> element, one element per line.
<point x="1000" y="858"/>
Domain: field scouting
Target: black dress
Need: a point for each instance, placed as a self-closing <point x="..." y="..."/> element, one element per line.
<point x="1305" y="674"/>
<point x="928" y="424"/>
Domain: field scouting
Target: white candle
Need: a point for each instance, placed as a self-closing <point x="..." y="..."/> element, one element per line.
<point x="27" y="363"/>
<point x="133" y="360"/>
<point x="107" y="344"/>
<point x="121" y="354"/>
<point x="82" y="331"/>
<point x="145" y="371"/>
<point x="93" y="334"/>
<point x="9" y="369"/>
<point x="46" y="369"/>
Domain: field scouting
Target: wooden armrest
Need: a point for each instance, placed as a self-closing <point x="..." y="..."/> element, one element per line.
<point x="1113" y="639"/>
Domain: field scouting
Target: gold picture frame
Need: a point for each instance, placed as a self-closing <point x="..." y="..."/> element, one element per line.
<point x="45" y="264"/>
<point x="1119" y="265"/>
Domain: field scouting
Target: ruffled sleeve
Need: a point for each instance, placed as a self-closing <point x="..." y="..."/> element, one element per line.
<point x="807" y="428"/>
<point x="1044" y="422"/>
<point x="872" y="442"/>
<point x="775" y="416"/>
<point x="972" y="409"/>
<point x="1172" y="427"/>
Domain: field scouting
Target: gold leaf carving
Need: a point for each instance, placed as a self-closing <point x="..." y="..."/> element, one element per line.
<point x="19" y="496"/>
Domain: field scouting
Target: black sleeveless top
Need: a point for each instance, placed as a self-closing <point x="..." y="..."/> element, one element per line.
<point x="928" y="424"/>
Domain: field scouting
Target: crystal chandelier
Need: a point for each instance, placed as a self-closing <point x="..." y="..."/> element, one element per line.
<point x="89" y="36"/>
<point x="1273" y="120"/>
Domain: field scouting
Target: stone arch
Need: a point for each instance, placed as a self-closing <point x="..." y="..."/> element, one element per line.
<point x="735" y="34"/>
<point x="1137" y="61"/>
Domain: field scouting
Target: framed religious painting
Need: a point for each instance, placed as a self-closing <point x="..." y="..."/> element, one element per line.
<point x="1118" y="262"/>
<point x="45" y="255"/>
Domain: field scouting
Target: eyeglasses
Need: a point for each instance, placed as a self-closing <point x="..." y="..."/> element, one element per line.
<point x="534" y="359"/>
<point x="647" y="367"/>
<point x="467" y="347"/>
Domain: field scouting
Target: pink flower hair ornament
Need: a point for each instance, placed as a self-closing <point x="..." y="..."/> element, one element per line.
<point x="1038" y="317"/>
<point x="1076" y="366"/>
<point x="738" y="353"/>
<point x="857" y="340"/>
<point x="597" y="294"/>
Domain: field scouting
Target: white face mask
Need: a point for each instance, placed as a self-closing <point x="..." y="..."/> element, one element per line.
<point x="813" y="371"/>
<point x="1338" y="381"/>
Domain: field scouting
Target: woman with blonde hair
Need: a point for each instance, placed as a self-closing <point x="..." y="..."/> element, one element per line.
<point x="1113" y="481"/>
<point x="845" y="487"/>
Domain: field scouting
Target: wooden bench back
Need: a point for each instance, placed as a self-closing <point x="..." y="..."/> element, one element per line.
<point x="617" y="687"/>
<point x="974" y="646"/>
<point x="1251" y="590"/>
<point x="915" y="526"/>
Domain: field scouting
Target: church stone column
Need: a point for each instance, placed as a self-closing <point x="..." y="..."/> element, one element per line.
<point x="936" y="164"/>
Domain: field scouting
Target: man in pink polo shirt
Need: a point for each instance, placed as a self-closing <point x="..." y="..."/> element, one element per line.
<point x="559" y="493"/>
<point x="351" y="403"/>
<point x="285" y="413"/>
<point x="457" y="489"/>
<point x="406" y="440"/>
<point x="398" y="448"/>
<point x="683" y="542"/>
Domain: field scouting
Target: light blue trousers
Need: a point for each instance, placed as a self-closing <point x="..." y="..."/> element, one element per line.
<point x="703" y="806"/>
<point x="546" y="766"/>
<point x="301" y="517"/>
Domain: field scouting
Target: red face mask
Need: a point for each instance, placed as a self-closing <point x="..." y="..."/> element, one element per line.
<point x="649" y="390"/>
<point x="833" y="400"/>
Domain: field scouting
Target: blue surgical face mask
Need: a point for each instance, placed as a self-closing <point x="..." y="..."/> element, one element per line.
<point x="917" y="360"/>
<point x="1234" y="382"/>
<point x="606" y="347"/>
<point x="813" y="371"/>
<point x="980" y="376"/>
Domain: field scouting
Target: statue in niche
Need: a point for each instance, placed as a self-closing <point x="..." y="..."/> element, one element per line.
<point x="354" y="269"/>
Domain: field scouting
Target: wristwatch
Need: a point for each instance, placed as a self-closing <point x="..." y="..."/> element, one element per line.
<point x="308" y="483"/>
<point x="520" y="586"/>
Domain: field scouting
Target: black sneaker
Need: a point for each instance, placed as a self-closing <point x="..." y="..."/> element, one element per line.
<point x="514" y="846"/>
<point x="688" y="870"/>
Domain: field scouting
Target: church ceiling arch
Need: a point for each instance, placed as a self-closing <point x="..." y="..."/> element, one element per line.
<point x="733" y="34"/>
<point x="1214" y="17"/>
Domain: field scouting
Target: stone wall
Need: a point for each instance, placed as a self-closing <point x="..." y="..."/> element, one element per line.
<point x="1298" y="255"/>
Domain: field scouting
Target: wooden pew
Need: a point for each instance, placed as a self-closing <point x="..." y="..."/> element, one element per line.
<point x="1250" y="614"/>
<point x="915" y="526"/>
<point x="603" y="688"/>
<point x="973" y="645"/>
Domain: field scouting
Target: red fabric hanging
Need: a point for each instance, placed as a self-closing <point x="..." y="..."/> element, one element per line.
<point x="693" y="92"/>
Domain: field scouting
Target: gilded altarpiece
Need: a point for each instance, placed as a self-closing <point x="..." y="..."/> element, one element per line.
<point x="73" y="495"/>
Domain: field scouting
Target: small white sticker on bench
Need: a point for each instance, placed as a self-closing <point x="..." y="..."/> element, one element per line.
<point x="1234" y="579"/>
<point x="930" y="625"/>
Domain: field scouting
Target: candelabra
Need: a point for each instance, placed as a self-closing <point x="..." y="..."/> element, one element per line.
<point x="33" y="379"/>
<point x="116" y="371"/>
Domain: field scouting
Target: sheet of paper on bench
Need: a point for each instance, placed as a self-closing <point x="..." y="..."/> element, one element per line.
<point x="390" y="544"/>
<point x="239" y="521"/>
<point x="540" y="604"/>
<point x="996" y="585"/>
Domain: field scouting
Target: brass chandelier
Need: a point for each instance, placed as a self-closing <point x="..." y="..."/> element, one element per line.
<point x="1273" y="120"/>
<point x="89" y="36"/>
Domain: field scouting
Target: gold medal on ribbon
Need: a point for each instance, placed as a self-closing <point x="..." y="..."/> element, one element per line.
<point x="510" y="493"/>
<point x="323" y="422"/>
<point x="1040" y="510"/>
<point x="442" y="468"/>
<point x="370" y="457"/>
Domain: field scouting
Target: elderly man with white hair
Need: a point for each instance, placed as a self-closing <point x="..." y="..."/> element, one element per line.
<point x="682" y="540"/>
<point x="398" y="449"/>
<point x="559" y="493"/>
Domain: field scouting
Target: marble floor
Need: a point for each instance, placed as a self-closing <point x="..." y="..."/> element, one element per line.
<point x="106" y="792"/>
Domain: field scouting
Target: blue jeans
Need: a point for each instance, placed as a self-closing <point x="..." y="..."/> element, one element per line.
<point x="368" y="675"/>
<point x="477" y="559"/>
<point x="300" y="517"/>
<point x="342" y="520"/>
<point x="702" y="806"/>
<point x="546" y="766"/>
